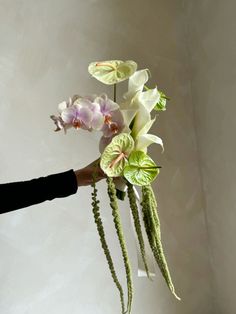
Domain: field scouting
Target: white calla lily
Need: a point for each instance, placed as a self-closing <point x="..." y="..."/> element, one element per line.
<point x="136" y="83"/>
<point x="137" y="107"/>
<point x="143" y="141"/>
<point x="149" y="98"/>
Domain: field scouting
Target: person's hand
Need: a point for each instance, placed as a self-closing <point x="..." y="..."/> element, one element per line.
<point x="84" y="175"/>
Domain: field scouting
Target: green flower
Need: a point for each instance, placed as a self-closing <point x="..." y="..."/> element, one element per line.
<point x="115" y="156"/>
<point x="141" y="169"/>
<point x="113" y="71"/>
<point x="161" y="104"/>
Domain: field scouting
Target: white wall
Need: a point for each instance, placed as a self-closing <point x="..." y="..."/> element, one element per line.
<point x="212" y="48"/>
<point x="51" y="259"/>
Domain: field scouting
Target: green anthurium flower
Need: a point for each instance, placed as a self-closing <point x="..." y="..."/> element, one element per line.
<point x="115" y="156"/>
<point x="113" y="71"/>
<point x="161" y="104"/>
<point x="141" y="169"/>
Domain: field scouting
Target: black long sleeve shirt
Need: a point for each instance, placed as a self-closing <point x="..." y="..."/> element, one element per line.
<point x="16" y="195"/>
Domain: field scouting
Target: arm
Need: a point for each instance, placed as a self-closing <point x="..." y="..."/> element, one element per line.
<point x="16" y="195"/>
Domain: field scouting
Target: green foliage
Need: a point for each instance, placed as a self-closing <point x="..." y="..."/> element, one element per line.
<point x="119" y="231"/>
<point x="152" y="226"/>
<point x="137" y="224"/>
<point x="104" y="244"/>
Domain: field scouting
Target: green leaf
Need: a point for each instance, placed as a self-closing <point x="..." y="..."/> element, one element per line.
<point x="161" y="105"/>
<point x="141" y="169"/>
<point x="115" y="156"/>
<point x="113" y="71"/>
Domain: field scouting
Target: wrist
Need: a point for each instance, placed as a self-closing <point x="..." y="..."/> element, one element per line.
<point x="78" y="177"/>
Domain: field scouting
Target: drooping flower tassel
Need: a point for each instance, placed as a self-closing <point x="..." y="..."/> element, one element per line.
<point x="119" y="231"/>
<point x="152" y="226"/>
<point x="101" y="233"/>
<point x="137" y="224"/>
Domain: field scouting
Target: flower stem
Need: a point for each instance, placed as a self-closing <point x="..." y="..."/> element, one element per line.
<point x="114" y="92"/>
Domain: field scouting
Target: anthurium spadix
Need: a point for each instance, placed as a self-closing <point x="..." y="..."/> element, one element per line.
<point x="112" y="71"/>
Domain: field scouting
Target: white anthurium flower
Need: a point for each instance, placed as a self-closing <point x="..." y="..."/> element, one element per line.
<point x="112" y="71"/>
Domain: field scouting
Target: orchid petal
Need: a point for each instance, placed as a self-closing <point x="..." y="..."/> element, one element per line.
<point x="68" y="115"/>
<point x="97" y="121"/>
<point x="62" y="106"/>
<point x="85" y="115"/>
<point x="106" y="105"/>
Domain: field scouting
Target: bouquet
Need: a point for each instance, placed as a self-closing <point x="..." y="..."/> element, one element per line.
<point x="124" y="126"/>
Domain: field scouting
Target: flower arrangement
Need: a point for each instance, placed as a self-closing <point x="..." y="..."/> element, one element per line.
<point x="123" y="146"/>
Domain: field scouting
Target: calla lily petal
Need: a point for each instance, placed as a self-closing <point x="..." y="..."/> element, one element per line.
<point x="141" y="119"/>
<point x="146" y="127"/>
<point x="145" y="140"/>
<point x="136" y="83"/>
<point x="128" y="115"/>
<point x="149" y="98"/>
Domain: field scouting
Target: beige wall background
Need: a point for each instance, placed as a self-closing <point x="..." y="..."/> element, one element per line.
<point x="51" y="259"/>
<point x="212" y="52"/>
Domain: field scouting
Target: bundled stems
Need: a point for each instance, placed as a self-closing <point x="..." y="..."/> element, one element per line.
<point x="119" y="231"/>
<point x="101" y="233"/>
<point x="152" y="226"/>
<point x="137" y="224"/>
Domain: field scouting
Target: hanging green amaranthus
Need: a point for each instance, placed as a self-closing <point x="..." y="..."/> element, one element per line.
<point x="119" y="231"/>
<point x="100" y="228"/>
<point x="137" y="224"/>
<point x="152" y="226"/>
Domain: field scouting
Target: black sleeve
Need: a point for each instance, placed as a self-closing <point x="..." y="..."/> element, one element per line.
<point x="15" y="195"/>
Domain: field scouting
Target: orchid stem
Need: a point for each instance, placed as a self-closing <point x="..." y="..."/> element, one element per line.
<point x="114" y="92"/>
